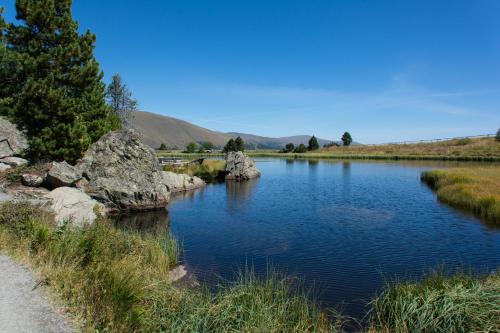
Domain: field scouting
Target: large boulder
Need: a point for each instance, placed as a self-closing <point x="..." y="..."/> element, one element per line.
<point x="240" y="167"/>
<point x="179" y="182"/>
<point x="12" y="141"/>
<point x="62" y="174"/>
<point x="123" y="173"/>
<point x="71" y="205"/>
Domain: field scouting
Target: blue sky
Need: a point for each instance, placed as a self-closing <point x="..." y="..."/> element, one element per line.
<point x="383" y="70"/>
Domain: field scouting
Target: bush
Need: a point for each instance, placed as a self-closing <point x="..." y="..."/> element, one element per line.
<point x="300" y="149"/>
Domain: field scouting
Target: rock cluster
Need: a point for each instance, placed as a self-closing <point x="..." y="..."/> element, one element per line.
<point x="240" y="167"/>
<point x="12" y="143"/>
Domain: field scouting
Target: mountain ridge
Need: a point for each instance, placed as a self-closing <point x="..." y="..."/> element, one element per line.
<point x="177" y="133"/>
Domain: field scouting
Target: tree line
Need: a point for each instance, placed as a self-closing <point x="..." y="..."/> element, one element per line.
<point x="51" y="84"/>
<point x="314" y="145"/>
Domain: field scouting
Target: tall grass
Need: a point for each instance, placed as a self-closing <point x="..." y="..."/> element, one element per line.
<point x="116" y="281"/>
<point x="461" y="303"/>
<point x="476" y="189"/>
<point x="209" y="170"/>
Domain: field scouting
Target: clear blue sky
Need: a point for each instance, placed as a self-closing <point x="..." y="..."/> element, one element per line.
<point x="384" y="70"/>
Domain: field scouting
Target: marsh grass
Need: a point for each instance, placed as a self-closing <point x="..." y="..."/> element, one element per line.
<point x="460" y="303"/>
<point x="475" y="189"/>
<point x="116" y="281"/>
<point x="209" y="170"/>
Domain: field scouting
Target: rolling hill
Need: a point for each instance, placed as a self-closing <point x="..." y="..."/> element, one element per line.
<point x="176" y="134"/>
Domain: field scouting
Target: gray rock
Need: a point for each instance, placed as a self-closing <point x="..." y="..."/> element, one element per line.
<point x="240" y="167"/>
<point x="74" y="206"/>
<point x="31" y="180"/>
<point x="176" y="182"/>
<point x="4" y="167"/>
<point x="12" y="141"/>
<point x="14" y="161"/>
<point x="123" y="173"/>
<point x="62" y="174"/>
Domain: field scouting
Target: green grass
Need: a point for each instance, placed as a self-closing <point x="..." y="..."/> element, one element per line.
<point x="475" y="189"/>
<point x="439" y="304"/>
<point x="209" y="170"/>
<point x="116" y="281"/>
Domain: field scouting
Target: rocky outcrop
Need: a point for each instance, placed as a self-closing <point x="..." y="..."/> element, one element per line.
<point x="12" y="141"/>
<point x="31" y="179"/>
<point x="178" y="182"/>
<point x="62" y="174"/>
<point x="240" y="167"/>
<point x="14" y="161"/>
<point x="123" y="173"/>
<point x="73" y="206"/>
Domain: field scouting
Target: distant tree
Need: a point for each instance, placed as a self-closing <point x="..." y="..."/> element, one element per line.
<point x="240" y="144"/>
<point x="346" y="139"/>
<point x="191" y="147"/>
<point x="51" y="83"/>
<point x="313" y="143"/>
<point x="230" y="146"/>
<point x="300" y="149"/>
<point x="289" y="147"/>
<point x="163" y="147"/>
<point x="119" y="97"/>
<point x="497" y="137"/>
<point x="207" y="145"/>
<point x="331" y="144"/>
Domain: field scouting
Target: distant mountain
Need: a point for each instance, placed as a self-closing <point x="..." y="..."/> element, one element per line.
<point x="175" y="133"/>
<point x="262" y="142"/>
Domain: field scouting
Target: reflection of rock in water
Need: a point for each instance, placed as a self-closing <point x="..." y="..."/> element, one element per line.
<point x="187" y="195"/>
<point x="155" y="222"/>
<point x="240" y="190"/>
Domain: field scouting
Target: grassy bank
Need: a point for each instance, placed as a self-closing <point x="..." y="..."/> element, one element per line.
<point x="209" y="170"/>
<point x="461" y="303"/>
<point x="116" y="281"/>
<point x="482" y="149"/>
<point x="475" y="189"/>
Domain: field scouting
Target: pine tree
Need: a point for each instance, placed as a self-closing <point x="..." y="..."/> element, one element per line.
<point x="313" y="143"/>
<point x="57" y="96"/>
<point x="230" y="146"/>
<point x="240" y="144"/>
<point x="346" y="139"/>
<point x="497" y="137"/>
<point x="120" y="98"/>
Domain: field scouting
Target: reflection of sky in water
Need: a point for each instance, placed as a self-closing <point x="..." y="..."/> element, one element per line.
<point x="340" y="225"/>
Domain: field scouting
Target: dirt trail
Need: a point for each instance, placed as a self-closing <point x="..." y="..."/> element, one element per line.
<point x="22" y="308"/>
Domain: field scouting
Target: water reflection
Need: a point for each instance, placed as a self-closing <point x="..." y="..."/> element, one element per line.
<point x="153" y="222"/>
<point x="239" y="193"/>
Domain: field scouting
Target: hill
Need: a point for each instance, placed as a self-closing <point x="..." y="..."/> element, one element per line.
<point x="175" y="133"/>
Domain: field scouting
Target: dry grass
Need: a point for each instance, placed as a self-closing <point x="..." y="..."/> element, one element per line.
<point x="476" y="189"/>
<point x="471" y="148"/>
<point x="209" y="170"/>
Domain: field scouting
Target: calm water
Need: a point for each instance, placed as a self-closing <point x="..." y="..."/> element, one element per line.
<point x="342" y="227"/>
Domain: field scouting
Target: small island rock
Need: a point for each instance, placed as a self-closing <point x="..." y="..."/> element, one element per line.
<point x="240" y="167"/>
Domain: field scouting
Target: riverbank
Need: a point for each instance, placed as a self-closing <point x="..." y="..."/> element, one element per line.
<point x="482" y="149"/>
<point x="115" y="280"/>
<point x="474" y="189"/>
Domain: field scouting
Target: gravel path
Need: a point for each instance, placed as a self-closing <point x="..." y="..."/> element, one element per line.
<point x="23" y="309"/>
